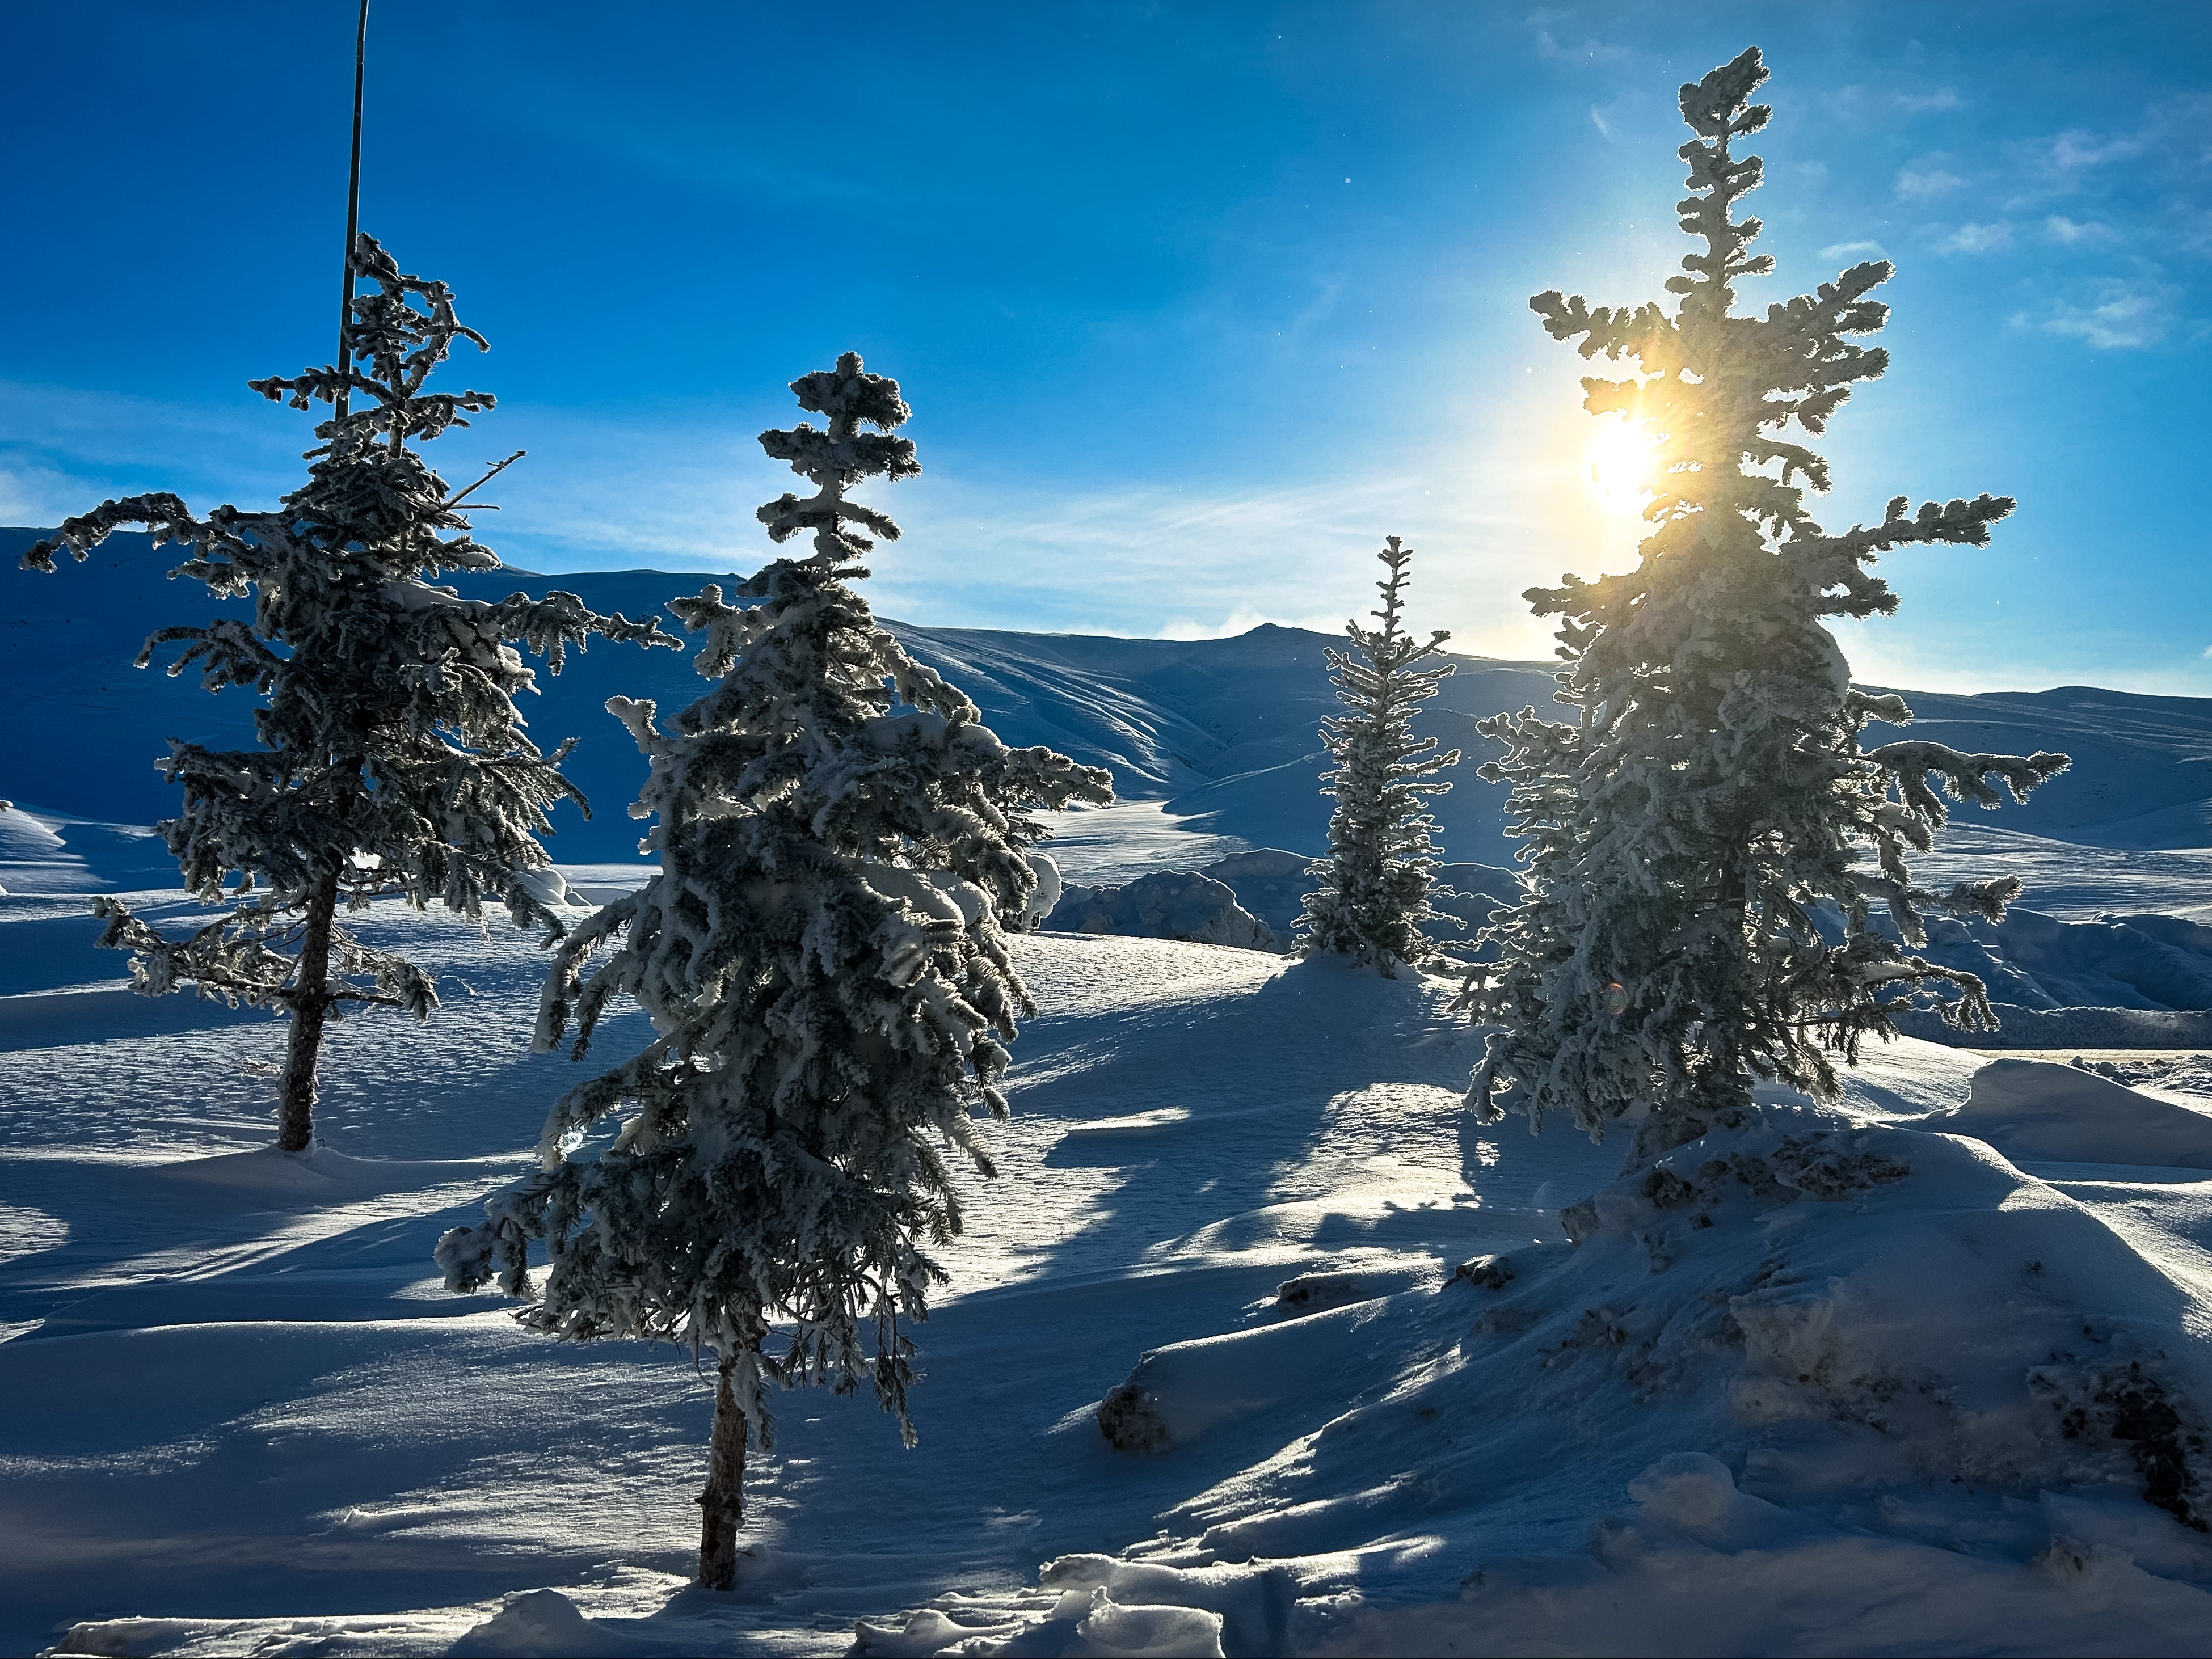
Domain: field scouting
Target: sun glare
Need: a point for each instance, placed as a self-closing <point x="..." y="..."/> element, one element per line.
<point x="1623" y="465"/>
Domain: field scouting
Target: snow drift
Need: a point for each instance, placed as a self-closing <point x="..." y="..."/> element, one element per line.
<point x="1815" y="1382"/>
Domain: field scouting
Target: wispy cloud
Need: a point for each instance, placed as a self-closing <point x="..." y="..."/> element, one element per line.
<point x="676" y="490"/>
<point x="2076" y="151"/>
<point x="1976" y="239"/>
<point x="2118" y="313"/>
<point x="2067" y="232"/>
<point x="1587" y="54"/>
<point x="1925" y="180"/>
<point x="92" y="445"/>
<point x="1917" y="102"/>
<point x="1598" y="120"/>
<point x="1836" y="252"/>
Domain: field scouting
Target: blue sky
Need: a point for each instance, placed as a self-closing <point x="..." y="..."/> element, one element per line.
<point x="1194" y="303"/>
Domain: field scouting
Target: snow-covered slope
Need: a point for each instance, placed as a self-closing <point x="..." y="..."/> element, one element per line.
<point x="1225" y="731"/>
<point x="1877" y="1383"/>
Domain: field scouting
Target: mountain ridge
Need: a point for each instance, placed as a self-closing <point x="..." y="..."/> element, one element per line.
<point x="1223" y="731"/>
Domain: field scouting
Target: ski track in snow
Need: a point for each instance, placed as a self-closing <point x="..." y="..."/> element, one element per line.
<point x="248" y="1417"/>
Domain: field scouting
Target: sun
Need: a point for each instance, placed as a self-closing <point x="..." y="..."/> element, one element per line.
<point x="1624" y="465"/>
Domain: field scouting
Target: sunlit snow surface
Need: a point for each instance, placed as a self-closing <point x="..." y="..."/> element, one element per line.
<point x="243" y="1414"/>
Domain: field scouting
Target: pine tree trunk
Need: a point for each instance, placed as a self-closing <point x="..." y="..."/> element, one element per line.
<point x="310" y="1008"/>
<point x="722" y="1505"/>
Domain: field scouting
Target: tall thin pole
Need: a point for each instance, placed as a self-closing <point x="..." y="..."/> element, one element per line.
<point x="353" y="214"/>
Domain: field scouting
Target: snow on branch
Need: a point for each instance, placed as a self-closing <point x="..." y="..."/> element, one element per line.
<point x="1680" y="835"/>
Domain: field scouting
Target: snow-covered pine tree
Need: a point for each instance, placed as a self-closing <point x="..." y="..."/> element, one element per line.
<point x="1714" y="791"/>
<point x="821" y="957"/>
<point x="394" y="762"/>
<point x="1374" y="892"/>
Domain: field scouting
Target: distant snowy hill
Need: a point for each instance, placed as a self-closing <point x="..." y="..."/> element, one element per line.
<point x="1222" y="731"/>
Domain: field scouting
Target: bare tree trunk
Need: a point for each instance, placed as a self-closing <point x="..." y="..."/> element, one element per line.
<point x="310" y="1008"/>
<point x="722" y="1505"/>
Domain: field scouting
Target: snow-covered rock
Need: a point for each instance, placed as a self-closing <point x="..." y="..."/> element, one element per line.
<point x="1170" y="904"/>
<point x="1045" y="896"/>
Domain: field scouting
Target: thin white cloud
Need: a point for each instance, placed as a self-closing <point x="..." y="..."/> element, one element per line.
<point x="90" y="446"/>
<point x="1976" y="239"/>
<point x="1598" y="120"/>
<point x="1837" y="251"/>
<point x="2118" y="314"/>
<point x="2067" y="232"/>
<point x="1927" y="179"/>
<point x="2076" y="151"/>
<point x="1942" y="98"/>
<point x="1590" y="52"/>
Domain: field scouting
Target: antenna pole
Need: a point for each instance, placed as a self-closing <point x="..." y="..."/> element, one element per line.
<point x="353" y="216"/>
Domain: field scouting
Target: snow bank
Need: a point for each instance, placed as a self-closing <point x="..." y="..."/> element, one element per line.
<point x="317" y="1175"/>
<point x="1266" y="887"/>
<point x="1177" y="1393"/>
<point x="1810" y="1384"/>
<point x="2029" y="1109"/>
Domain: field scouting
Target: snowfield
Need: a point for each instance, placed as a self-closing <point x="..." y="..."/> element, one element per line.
<point x="1930" y="1375"/>
<point x="1257" y="1344"/>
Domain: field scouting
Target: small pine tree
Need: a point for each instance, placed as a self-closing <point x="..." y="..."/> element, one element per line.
<point x="1374" y="888"/>
<point x="823" y="963"/>
<point x="1714" y="793"/>
<point x="394" y="760"/>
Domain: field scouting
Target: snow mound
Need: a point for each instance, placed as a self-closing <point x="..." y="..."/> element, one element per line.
<point x="544" y="1623"/>
<point x="1170" y="904"/>
<point x="43" y="851"/>
<point x="316" y="1176"/>
<point x="1180" y="1392"/>
<point x="1046" y="898"/>
<point x="2030" y="1108"/>
<point x="1808" y="1374"/>
<point x="551" y="888"/>
<point x="1101" y="1608"/>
